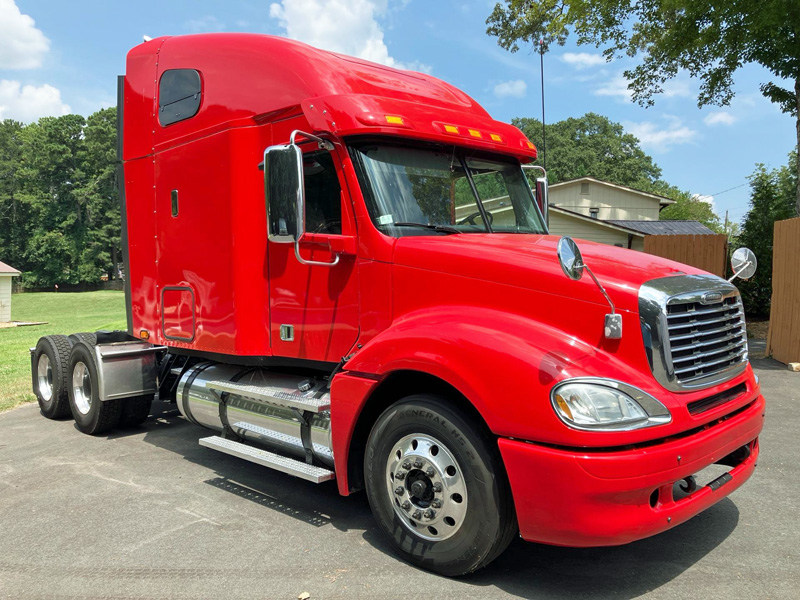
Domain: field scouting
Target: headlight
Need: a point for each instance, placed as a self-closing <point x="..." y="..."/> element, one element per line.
<point x="594" y="404"/>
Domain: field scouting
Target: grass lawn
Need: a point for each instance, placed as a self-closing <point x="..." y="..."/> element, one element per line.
<point x="64" y="313"/>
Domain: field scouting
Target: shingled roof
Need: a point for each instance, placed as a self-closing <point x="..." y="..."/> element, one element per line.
<point x="664" y="227"/>
<point x="6" y="270"/>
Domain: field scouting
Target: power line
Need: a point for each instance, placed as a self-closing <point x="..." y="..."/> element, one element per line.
<point x="729" y="189"/>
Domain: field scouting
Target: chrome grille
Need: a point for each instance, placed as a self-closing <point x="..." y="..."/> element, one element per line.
<point x="705" y="339"/>
<point x="693" y="330"/>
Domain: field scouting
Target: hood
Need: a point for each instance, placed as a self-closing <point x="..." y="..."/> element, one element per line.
<point x="531" y="262"/>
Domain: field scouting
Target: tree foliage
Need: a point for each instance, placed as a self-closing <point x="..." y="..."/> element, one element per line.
<point x="591" y="146"/>
<point x="710" y="39"/>
<point x="59" y="211"/>
<point x="771" y="199"/>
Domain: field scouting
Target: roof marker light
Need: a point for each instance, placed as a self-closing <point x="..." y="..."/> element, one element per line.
<point x="495" y="137"/>
<point x="451" y="129"/>
<point x="394" y="120"/>
<point x="475" y="133"/>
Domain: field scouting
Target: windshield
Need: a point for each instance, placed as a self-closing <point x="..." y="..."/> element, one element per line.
<point x="443" y="190"/>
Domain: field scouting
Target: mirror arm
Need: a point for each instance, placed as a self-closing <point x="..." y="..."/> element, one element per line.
<point x="324" y="144"/>
<point x="602" y="289"/>
<point x="313" y="263"/>
<point x="736" y="274"/>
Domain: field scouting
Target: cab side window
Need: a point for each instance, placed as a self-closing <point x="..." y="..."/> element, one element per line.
<point x="323" y="194"/>
<point x="179" y="95"/>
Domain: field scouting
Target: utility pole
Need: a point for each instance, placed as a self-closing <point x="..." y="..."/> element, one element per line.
<point x="544" y="139"/>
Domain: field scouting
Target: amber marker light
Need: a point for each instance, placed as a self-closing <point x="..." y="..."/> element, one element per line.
<point x="394" y="120"/>
<point x="496" y="138"/>
<point x="475" y="133"/>
<point x="144" y="334"/>
<point x="451" y="129"/>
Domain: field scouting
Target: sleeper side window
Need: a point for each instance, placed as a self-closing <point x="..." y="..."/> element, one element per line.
<point x="323" y="194"/>
<point x="179" y="95"/>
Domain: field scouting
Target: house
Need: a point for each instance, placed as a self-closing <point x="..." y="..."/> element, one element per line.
<point x="6" y="273"/>
<point x="609" y="213"/>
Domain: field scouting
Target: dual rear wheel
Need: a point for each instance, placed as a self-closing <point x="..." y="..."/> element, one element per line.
<point x="66" y="383"/>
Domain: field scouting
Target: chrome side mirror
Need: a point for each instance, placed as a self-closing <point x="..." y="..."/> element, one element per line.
<point x="571" y="260"/>
<point x="743" y="263"/>
<point x="283" y="187"/>
<point x="569" y="256"/>
<point x="285" y="192"/>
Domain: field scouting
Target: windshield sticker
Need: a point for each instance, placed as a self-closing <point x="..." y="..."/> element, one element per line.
<point x="385" y="220"/>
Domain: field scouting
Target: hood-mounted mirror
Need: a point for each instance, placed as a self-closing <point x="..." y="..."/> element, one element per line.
<point x="743" y="263"/>
<point x="571" y="261"/>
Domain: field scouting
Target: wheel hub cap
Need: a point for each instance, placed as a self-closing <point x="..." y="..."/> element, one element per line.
<point x="82" y="388"/>
<point x="44" y="377"/>
<point x="427" y="487"/>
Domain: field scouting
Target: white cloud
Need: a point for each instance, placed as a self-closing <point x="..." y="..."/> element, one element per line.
<point x="209" y="23"/>
<point x="707" y="199"/>
<point x="28" y="103"/>
<point x="583" y="60"/>
<point x="344" y="26"/>
<point x="511" y="89"/>
<point x="661" y="139"/>
<point x="22" y="46"/>
<point x="617" y="87"/>
<point x="719" y="118"/>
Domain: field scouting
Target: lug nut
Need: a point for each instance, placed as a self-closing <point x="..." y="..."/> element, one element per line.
<point x="399" y="490"/>
<point x="418" y="464"/>
<point x="400" y="475"/>
<point x="437" y="487"/>
<point x="429" y="514"/>
<point x="417" y="515"/>
<point x="436" y="503"/>
<point x="406" y="465"/>
<point x="430" y="472"/>
<point x="406" y="505"/>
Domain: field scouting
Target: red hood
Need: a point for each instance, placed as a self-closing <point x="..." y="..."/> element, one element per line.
<point x="530" y="261"/>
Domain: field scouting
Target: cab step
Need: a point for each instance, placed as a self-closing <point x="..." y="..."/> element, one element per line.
<point x="268" y="459"/>
<point x="276" y="396"/>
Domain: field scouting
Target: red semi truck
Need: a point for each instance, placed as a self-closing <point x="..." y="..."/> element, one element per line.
<point x="344" y="271"/>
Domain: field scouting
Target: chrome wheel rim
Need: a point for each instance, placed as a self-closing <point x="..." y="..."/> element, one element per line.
<point x="426" y="487"/>
<point x="44" y="377"/>
<point x="82" y="388"/>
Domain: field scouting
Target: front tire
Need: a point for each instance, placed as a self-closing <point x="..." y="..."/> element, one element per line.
<point x="437" y="487"/>
<point x="50" y="373"/>
<point x="91" y="415"/>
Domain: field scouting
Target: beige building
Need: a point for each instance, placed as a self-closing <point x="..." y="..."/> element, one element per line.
<point x="6" y="273"/>
<point x="602" y="200"/>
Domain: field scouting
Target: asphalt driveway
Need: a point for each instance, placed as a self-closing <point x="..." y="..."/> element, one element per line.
<point x="151" y="514"/>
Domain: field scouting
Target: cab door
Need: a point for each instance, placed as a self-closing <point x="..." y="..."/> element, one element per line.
<point x="314" y="307"/>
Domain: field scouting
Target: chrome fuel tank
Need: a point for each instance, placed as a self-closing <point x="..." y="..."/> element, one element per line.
<point x="272" y="427"/>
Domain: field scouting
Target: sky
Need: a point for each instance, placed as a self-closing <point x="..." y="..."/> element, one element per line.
<point x="58" y="57"/>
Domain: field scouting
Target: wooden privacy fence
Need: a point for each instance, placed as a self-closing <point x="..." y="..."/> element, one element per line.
<point x="707" y="252"/>
<point x="783" y="339"/>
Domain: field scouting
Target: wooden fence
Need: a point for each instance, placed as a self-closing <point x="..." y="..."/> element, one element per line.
<point x="783" y="339"/>
<point x="707" y="252"/>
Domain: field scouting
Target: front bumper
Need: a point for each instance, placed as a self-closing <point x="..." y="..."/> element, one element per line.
<point x="574" y="497"/>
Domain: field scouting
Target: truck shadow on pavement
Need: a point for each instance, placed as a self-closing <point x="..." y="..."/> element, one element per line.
<point x="525" y="569"/>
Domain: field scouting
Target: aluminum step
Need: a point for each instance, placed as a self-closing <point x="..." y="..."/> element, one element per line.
<point x="274" y="396"/>
<point x="268" y="459"/>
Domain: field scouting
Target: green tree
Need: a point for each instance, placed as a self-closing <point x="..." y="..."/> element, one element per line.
<point x="687" y="207"/>
<point x="771" y="199"/>
<point x="592" y="146"/>
<point x="13" y="205"/>
<point x="711" y="39"/>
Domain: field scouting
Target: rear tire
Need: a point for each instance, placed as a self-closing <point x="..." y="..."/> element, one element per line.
<point x="50" y="371"/>
<point x="91" y="415"/>
<point x="437" y="487"/>
<point x="135" y="410"/>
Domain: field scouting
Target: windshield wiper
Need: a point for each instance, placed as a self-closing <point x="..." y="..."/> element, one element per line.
<point x="441" y="228"/>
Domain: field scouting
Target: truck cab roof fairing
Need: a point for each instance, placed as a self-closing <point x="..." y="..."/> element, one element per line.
<point x="297" y="75"/>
